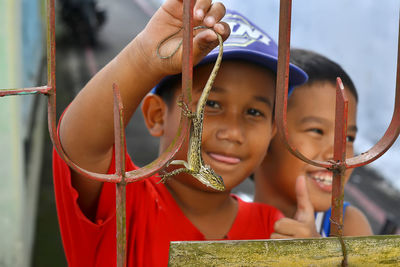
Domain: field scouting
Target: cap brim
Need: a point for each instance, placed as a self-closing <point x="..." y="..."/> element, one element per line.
<point x="296" y="75"/>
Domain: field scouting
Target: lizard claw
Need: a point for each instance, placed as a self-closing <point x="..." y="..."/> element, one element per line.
<point x="162" y="180"/>
<point x="185" y="109"/>
<point x="163" y="177"/>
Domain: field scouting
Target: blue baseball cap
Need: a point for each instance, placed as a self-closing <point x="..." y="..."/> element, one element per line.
<point x="249" y="43"/>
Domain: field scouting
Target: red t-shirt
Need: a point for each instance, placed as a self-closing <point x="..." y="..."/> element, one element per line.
<point x="153" y="219"/>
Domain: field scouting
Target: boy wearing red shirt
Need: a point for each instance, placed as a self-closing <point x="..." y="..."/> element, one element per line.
<point x="238" y="127"/>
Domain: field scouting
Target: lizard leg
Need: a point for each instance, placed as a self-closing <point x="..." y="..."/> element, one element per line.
<point x="179" y="162"/>
<point x="166" y="176"/>
<point x="185" y="109"/>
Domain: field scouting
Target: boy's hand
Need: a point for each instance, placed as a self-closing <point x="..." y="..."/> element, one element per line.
<point x="303" y="224"/>
<point x="167" y="21"/>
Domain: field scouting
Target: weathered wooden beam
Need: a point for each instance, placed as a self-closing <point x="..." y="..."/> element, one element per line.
<point x="362" y="251"/>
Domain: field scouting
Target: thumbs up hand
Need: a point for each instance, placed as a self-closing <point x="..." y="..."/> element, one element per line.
<point x="303" y="223"/>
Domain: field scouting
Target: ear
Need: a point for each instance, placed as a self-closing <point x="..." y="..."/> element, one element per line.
<point x="153" y="109"/>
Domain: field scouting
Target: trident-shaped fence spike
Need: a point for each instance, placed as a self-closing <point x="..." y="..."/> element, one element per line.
<point x="121" y="177"/>
<point x="339" y="158"/>
<point x="340" y="163"/>
<point x="175" y="145"/>
<point x="119" y="144"/>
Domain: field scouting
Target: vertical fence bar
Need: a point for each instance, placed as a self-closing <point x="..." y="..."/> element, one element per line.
<point x="119" y="141"/>
<point x="187" y="50"/>
<point x="51" y="72"/>
<point x="51" y="47"/>
<point x="339" y="157"/>
<point x="285" y="14"/>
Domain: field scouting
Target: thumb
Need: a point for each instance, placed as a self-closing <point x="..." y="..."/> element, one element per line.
<point x="305" y="209"/>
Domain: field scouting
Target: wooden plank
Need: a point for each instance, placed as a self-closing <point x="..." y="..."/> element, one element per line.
<point x="366" y="251"/>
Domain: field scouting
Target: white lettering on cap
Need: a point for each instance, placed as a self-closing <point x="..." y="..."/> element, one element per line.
<point x="243" y="33"/>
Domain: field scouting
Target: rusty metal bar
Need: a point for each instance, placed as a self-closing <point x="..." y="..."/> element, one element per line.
<point x="187" y="59"/>
<point x="25" y="91"/>
<point x="119" y="140"/>
<point x="339" y="157"/>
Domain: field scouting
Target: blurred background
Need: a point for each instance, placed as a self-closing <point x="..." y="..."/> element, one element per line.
<point x="361" y="35"/>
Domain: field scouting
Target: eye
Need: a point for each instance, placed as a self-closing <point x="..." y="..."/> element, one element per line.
<point x="316" y="131"/>
<point x="255" y="112"/>
<point x="212" y="104"/>
<point x="350" y="139"/>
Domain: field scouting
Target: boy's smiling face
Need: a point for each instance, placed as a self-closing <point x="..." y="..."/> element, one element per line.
<point x="311" y="126"/>
<point x="238" y="122"/>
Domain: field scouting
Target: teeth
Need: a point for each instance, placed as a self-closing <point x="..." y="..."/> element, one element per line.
<point x="323" y="178"/>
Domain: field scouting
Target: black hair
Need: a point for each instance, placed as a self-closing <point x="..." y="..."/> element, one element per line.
<point x="321" y="69"/>
<point x="167" y="87"/>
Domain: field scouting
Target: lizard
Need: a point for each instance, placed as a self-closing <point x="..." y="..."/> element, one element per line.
<point x="195" y="165"/>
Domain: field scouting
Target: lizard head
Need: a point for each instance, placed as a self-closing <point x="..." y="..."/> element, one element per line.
<point x="208" y="177"/>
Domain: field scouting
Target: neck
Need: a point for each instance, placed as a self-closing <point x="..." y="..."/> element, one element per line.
<point x="266" y="192"/>
<point x="213" y="213"/>
<point x="193" y="200"/>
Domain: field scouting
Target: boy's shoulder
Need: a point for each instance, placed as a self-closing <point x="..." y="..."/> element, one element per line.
<point x="254" y="220"/>
<point x="258" y="210"/>
<point x="355" y="223"/>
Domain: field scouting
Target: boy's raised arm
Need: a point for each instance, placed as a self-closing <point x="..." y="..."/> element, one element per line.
<point x="86" y="130"/>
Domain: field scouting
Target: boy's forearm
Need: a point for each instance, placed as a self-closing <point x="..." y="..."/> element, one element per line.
<point x="86" y="131"/>
<point x="87" y="128"/>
